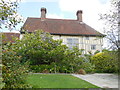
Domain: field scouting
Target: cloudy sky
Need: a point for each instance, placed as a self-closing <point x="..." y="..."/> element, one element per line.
<point x="66" y="9"/>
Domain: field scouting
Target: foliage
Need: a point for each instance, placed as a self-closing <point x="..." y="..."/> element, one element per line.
<point x="40" y="48"/>
<point x="8" y="13"/>
<point x="88" y="67"/>
<point x="41" y="68"/>
<point x="75" y="61"/>
<point x="46" y="54"/>
<point x="105" y="62"/>
<point x="71" y="63"/>
<point x="13" y="72"/>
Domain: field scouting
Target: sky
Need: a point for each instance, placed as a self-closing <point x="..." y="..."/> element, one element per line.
<point x="66" y="9"/>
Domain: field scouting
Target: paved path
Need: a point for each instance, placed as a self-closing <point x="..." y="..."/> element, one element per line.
<point x="101" y="80"/>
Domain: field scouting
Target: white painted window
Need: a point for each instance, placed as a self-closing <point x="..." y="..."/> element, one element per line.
<point x="72" y="42"/>
<point x="93" y="47"/>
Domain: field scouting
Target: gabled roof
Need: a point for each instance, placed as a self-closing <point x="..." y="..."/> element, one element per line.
<point x="60" y="27"/>
<point x="9" y="37"/>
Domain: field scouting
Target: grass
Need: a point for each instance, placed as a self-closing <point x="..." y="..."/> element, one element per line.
<point x="57" y="81"/>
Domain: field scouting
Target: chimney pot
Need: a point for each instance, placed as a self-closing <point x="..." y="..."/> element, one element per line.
<point x="43" y="13"/>
<point x="79" y="15"/>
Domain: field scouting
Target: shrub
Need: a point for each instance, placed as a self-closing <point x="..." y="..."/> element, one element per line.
<point x="82" y="71"/>
<point x="41" y="68"/>
<point x="45" y="71"/>
<point x="35" y="68"/>
<point x="13" y="72"/>
<point x="45" y="53"/>
<point x="105" y="62"/>
<point x="88" y="67"/>
<point x="40" y="48"/>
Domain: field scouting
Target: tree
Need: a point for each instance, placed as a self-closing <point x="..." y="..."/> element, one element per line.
<point x="14" y="73"/>
<point x="45" y="53"/>
<point x="40" y="48"/>
<point x="112" y="24"/>
<point x="9" y="17"/>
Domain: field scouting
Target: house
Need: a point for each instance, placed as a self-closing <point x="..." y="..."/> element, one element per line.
<point x="72" y="32"/>
<point x="9" y="37"/>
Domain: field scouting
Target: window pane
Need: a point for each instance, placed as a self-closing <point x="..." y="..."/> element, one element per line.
<point x="75" y="40"/>
<point x="70" y="46"/>
<point x="72" y="42"/>
<point x="93" y="47"/>
<point x="69" y="40"/>
<point x="87" y="38"/>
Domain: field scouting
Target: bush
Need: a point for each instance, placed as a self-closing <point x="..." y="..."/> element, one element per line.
<point x="71" y="62"/>
<point x="40" y="48"/>
<point x="105" y="62"/>
<point x="52" y="68"/>
<point x="40" y="68"/>
<point x="82" y="71"/>
<point x="88" y="67"/>
<point x="13" y="72"/>
<point x="44" y="53"/>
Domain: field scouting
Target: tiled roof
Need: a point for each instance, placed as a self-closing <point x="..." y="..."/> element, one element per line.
<point x="9" y="37"/>
<point x="60" y="27"/>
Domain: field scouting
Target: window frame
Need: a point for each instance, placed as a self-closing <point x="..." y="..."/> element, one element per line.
<point x="87" y="38"/>
<point x="73" y="43"/>
<point x="93" y="47"/>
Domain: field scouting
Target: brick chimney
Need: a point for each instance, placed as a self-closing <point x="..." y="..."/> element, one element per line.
<point x="79" y="15"/>
<point x="43" y="13"/>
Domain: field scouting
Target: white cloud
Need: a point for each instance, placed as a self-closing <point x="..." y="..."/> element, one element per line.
<point x="24" y="1"/>
<point x="55" y="16"/>
<point x="73" y="5"/>
<point x="91" y="9"/>
<point x="11" y="0"/>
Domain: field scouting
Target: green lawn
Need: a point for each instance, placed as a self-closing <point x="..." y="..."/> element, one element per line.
<point x="57" y="81"/>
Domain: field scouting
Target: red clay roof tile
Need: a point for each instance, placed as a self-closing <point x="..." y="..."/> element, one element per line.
<point x="60" y="26"/>
<point x="9" y="37"/>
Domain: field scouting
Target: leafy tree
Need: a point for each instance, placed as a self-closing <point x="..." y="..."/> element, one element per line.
<point x="45" y="53"/>
<point x="8" y="14"/>
<point x="40" y="48"/>
<point x="112" y="27"/>
<point x="13" y="72"/>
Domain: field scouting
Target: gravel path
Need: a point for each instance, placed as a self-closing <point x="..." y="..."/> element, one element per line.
<point x="101" y="80"/>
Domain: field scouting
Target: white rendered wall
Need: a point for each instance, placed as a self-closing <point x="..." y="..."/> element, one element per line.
<point x="83" y="42"/>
